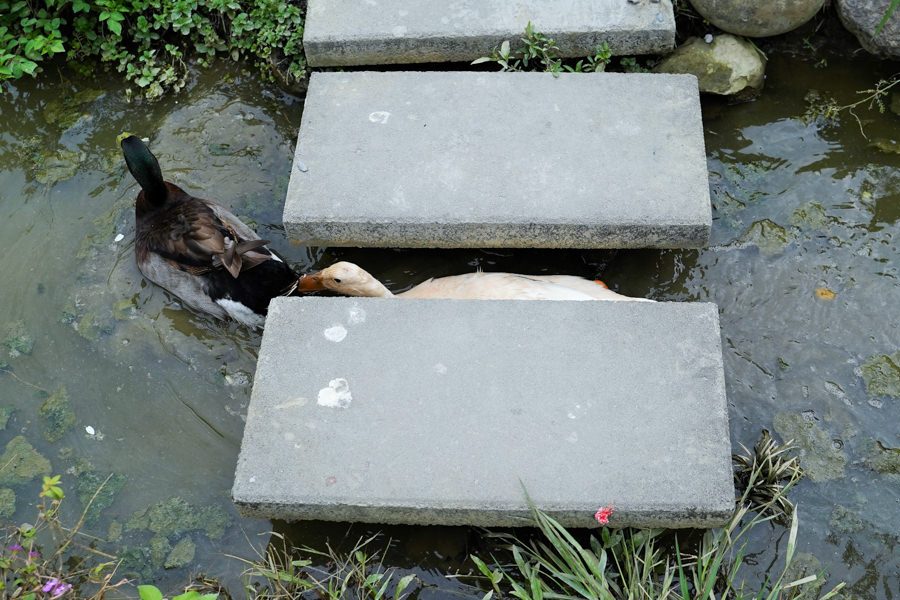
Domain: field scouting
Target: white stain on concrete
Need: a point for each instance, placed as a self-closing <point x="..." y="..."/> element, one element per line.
<point x="335" y="333"/>
<point x="356" y="315"/>
<point x="399" y="31"/>
<point x="440" y="368"/>
<point x="572" y="438"/>
<point x="379" y="116"/>
<point x="336" y="395"/>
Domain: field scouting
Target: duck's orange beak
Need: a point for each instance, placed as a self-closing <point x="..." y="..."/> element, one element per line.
<point x="311" y="282"/>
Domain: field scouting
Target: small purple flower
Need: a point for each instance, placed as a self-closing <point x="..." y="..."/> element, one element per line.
<point x="34" y="555"/>
<point x="56" y="588"/>
<point x="61" y="589"/>
<point x="16" y="547"/>
<point x="50" y="585"/>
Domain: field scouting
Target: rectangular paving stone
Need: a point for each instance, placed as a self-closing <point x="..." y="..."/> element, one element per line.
<point x="461" y="159"/>
<point x="355" y="32"/>
<point x="440" y="411"/>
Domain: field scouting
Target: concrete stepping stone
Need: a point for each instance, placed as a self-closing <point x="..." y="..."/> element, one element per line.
<point x="440" y="411"/>
<point x="355" y="32"/>
<point x="464" y="159"/>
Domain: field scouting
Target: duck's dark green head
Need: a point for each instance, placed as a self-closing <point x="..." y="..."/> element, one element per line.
<point x="144" y="168"/>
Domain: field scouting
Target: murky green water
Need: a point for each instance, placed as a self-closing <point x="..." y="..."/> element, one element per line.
<point x="797" y="208"/>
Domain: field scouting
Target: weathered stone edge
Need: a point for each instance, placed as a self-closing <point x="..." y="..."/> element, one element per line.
<point x="330" y="51"/>
<point x="489" y="235"/>
<point x="714" y="515"/>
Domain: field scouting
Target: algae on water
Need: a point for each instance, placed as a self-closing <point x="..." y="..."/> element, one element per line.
<point x="20" y="463"/>
<point x="881" y="374"/>
<point x="7" y="503"/>
<point x="57" y="414"/>
<point x="175" y="517"/>
<point x="819" y="458"/>
<point x="844" y="520"/>
<point x="88" y="487"/>
<point x="5" y="413"/>
<point x="18" y="340"/>
<point x="181" y="554"/>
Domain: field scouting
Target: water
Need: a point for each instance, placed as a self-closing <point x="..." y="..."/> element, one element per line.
<point x="797" y="208"/>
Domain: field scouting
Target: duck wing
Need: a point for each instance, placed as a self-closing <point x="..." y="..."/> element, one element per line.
<point x="193" y="237"/>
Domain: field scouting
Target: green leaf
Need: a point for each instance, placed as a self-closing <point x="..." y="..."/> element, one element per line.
<point x="149" y="592"/>
<point x="887" y="15"/>
<point x="114" y="26"/>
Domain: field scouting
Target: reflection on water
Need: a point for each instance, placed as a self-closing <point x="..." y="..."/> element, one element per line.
<point x="802" y="264"/>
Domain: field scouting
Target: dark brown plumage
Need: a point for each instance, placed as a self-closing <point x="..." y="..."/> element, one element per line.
<point x="198" y="250"/>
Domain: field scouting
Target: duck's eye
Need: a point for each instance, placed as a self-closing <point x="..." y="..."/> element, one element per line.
<point x="336" y="280"/>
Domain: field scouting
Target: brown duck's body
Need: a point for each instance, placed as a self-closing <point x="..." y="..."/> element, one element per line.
<point x="198" y="250"/>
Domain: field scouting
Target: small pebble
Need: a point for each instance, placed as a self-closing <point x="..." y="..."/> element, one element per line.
<point x="708" y="38"/>
<point x="119" y="238"/>
<point x="300" y="166"/>
<point x="90" y="430"/>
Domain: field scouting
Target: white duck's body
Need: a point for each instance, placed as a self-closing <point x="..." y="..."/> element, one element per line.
<point x="351" y="280"/>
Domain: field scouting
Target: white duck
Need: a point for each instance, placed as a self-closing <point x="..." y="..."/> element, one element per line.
<point x="351" y="280"/>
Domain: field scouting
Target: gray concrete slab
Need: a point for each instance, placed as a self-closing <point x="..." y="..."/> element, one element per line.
<point x="439" y="411"/>
<point x="351" y="32"/>
<point x="460" y="159"/>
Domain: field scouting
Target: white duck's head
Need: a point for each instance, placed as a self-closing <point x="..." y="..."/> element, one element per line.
<point x="344" y="278"/>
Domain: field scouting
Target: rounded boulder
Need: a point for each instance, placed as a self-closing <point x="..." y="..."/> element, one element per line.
<point x="757" y="18"/>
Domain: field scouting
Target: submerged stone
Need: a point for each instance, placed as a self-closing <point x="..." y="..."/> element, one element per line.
<point x="881" y="374"/>
<point x="55" y="167"/>
<point x="7" y="503"/>
<point x="883" y="459"/>
<point x="819" y="459"/>
<point x="181" y="554"/>
<point x="803" y="565"/>
<point x="844" y="520"/>
<point x="18" y="340"/>
<point x="66" y="112"/>
<point x="768" y="236"/>
<point x="20" y="463"/>
<point x="57" y="414"/>
<point x="885" y="145"/>
<point x="810" y="215"/>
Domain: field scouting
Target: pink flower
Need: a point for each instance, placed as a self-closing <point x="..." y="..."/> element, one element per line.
<point x="603" y="513"/>
<point x="34" y="555"/>
<point x="16" y="547"/>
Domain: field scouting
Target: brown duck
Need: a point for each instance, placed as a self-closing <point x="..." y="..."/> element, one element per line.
<point x="199" y="251"/>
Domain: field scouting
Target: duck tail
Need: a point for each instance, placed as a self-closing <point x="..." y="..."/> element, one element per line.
<point x="144" y="168"/>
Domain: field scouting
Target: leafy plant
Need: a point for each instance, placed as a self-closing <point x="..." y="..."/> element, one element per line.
<point x="638" y="565"/>
<point x="161" y="37"/>
<point x="540" y="53"/>
<point x="27" y="571"/>
<point x="151" y="592"/>
<point x="828" y="109"/>
<point x="280" y="574"/>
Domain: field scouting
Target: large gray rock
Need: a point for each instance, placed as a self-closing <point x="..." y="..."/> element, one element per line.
<point x="727" y="66"/>
<point x="861" y="17"/>
<point x="758" y="18"/>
